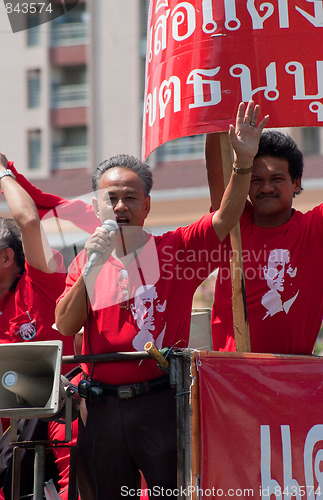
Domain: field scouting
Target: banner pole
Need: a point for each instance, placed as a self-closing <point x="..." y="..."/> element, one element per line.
<point x="239" y="308"/>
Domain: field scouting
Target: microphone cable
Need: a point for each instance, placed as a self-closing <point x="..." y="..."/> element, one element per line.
<point x="111" y="225"/>
<point x="89" y="394"/>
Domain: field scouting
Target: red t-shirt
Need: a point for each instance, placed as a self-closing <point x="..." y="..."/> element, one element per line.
<point x="283" y="270"/>
<point x="161" y="283"/>
<point x="27" y="312"/>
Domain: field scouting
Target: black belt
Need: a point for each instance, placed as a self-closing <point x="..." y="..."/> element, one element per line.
<point x="123" y="391"/>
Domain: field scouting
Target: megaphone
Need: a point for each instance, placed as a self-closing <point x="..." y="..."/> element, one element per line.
<point x="30" y="375"/>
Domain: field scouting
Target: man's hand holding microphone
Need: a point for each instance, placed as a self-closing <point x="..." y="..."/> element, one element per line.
<point x="100" y="245"/>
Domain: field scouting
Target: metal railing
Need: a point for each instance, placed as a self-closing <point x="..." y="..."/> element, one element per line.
<point x="70" y="96"/>
<point x="186" y="148"/>
<point x="69" y="34"/>
<point x="70" y="157"/>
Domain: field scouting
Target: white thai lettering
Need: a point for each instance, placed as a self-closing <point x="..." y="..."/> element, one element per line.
<point x="165" y="95"/>
<point x="270" y="89"/>
<point x="296" y="68"/>
<point x="199" y="83"/>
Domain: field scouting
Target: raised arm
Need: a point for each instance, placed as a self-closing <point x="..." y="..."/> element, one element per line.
<point x="244" y="138"/>
<point x="36" y="247"/>
<point x="214" y="169"/>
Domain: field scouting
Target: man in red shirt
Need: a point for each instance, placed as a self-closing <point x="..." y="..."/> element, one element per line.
<point x="141" y="288"/>
<point x="281" y="253"/>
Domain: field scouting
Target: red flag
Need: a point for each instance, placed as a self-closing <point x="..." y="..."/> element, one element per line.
<point x="76" y="211"/>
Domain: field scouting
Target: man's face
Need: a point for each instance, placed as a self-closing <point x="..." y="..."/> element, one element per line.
<point x="121" y="196"/>
<point x="271" y="191"/>
<point x="144" y="308"/>
<point x="276" y="270"/>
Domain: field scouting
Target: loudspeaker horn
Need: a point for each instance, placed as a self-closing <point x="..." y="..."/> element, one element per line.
<point x="30" y="375"/>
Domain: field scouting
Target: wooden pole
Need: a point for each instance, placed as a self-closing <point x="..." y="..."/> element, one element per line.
<point x="239" y="309"/>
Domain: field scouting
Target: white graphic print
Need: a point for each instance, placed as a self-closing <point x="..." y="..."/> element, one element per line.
<point x="276" y="272"/>
<point x="146" y="305"/>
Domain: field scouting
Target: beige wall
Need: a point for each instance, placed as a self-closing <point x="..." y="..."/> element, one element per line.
<point x="182" y="212"/>
<point x="114" y="113"/>
<point x="115" y="78"/>
<point x="16" y="119"/>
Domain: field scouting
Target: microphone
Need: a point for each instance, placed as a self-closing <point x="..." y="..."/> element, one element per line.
<point x="109" y="225"/>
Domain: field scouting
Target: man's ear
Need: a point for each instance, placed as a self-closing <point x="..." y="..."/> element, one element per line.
<point x="7" y="257"/>
<point x="298" y="185"/>
<point x="147" y="205"/>
<point x="96" y="207"/>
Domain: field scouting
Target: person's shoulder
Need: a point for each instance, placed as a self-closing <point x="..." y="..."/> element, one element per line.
<point x="202" y="224"/>
<point x="319" y="209"/>
<point x="314" y="213"/>
<point x="56" y="263"/>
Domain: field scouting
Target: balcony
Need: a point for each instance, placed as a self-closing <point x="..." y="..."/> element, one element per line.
<point x="70" y="157"/>
<point x="70" y="96"/>
<point x="67" y="34"/>
<point x="183" y="149"/>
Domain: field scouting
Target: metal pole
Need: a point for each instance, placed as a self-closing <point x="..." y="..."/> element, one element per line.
<point x="39" y="472"/>
<point x="106" y="357"/>
<point x="16" y="468"/>
<point x="72" y="486"/>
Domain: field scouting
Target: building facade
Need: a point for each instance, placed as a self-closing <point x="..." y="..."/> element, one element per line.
<point x="71" y="92"/>
<point x="71" y="95"/>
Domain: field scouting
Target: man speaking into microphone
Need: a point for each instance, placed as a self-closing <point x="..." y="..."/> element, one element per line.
<point x="138" y="290"/>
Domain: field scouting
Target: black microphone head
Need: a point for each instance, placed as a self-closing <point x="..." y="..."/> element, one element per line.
<point x="110" y="225"/>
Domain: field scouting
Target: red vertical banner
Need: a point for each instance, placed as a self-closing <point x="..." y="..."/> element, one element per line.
<point x="205" y="56"/>
<point x="261" y="426"/>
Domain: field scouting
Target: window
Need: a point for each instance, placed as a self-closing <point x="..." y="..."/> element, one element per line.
<point x="33" y="88"/>
<point x="33" y="29"/>
<point x="34" y="149"/>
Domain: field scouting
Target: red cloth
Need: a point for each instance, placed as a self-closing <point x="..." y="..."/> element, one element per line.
<point x="283" y="270"/>
<point x="28" y="311"/>
<point x="76" y="211"/>
<point x="172" y="266"/>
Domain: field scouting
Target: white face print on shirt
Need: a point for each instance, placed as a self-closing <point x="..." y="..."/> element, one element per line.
<point x="277" y="270"/>
<point x="146" y="305"/>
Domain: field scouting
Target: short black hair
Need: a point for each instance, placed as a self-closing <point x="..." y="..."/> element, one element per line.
<point x="125" y="161"/>
<point x="10" y="237"/>
<point x="274" y="143"/>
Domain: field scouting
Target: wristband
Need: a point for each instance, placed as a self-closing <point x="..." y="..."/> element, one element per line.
<point x="242" y="171"/>
<point x="5" y="173"/>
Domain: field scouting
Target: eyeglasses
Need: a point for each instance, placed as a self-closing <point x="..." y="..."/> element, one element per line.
<point x="123" y="292"/>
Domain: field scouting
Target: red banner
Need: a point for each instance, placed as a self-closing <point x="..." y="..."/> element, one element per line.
<point x="205" y="56"/>
<point x="261" y="427"/>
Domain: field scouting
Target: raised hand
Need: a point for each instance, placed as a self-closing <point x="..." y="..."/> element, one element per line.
<point x="245" y="135"/>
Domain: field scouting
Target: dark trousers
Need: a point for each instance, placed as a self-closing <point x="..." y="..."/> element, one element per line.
<point x="122" y="436"/>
